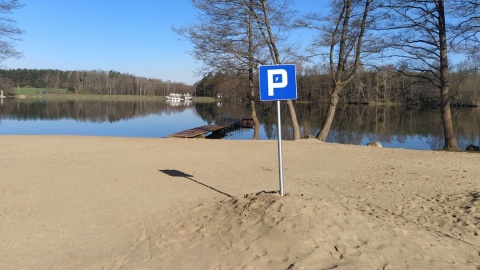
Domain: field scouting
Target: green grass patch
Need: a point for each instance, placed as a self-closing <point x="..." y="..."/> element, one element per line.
<point x="100" y="97"/>
<point x="38" y="91"/>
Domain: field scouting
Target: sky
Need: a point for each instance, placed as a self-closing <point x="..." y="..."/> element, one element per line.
<point x="133" y="37"/>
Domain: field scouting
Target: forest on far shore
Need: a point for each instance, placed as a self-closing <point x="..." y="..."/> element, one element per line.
<point x="384" y="85"/>
<point x="90" y="82"/>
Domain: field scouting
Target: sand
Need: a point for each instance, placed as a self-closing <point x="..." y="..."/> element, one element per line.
<point x="128" y="203"/>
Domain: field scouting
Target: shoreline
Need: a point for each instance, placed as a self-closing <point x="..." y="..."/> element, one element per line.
<point x="71" y="202"/>
<point x="106" y="97"/>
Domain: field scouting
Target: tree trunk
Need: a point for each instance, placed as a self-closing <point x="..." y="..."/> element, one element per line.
<point x="332" y="107"/>
<point x="450" y="140"/>
<point x="256" y="131"/>
<point x="256" y="123"/>
<point x="293" y="115"/>
<point x="446" y="115"/>
<point x="270" y="39"/>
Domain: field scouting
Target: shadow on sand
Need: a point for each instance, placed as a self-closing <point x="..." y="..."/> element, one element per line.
<point x="176" y="173"/>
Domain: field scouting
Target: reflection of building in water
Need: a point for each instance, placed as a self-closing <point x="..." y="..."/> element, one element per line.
<point x="178" y="102"/>
<point x="178" y="97"/>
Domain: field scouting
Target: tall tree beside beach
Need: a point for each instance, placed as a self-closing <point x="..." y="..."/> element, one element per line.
<point x="417" y="31"/>
<point x="343" y="31"/>
<point x="237" y="36"/>
<point x="9" y="32"/>
<point x="417" y="35"/>
<point x="272" y="20"/>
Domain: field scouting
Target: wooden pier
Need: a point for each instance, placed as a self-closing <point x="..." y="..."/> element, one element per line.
<point x="222" y="126"/>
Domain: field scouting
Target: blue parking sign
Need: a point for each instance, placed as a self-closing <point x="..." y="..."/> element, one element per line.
<point x="278" y="82"/>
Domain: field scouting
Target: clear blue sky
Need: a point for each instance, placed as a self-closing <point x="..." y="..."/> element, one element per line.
<point x="128" y="36"/>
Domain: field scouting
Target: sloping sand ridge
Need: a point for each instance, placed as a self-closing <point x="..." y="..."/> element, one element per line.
<point x="116" y="203"/>
<point x="265" y="231"/>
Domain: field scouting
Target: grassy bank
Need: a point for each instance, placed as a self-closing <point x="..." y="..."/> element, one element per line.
<point x="39" y="91"/>
<point x="64" y="94"/>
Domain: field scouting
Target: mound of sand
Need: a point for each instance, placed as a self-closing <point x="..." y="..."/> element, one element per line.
<point x="266" y="231"/>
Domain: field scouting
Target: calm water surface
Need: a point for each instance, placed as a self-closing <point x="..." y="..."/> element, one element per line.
<point x="397" y="127"/>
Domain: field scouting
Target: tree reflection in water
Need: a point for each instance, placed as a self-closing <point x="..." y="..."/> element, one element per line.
<point x="393" y="126"/>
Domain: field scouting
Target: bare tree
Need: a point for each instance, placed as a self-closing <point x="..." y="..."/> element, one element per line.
<point x="261" y="11"/>
<point x="237" y="35"/>
<point x="9" y="33"/>
<point x="417" y="32"/>
<point x="223" y="40"/>
<point x="343" y="32"/>
<point x="251" y="67"/>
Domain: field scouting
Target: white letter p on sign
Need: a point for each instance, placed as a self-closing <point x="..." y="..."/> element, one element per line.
<point x="277" y="78"/>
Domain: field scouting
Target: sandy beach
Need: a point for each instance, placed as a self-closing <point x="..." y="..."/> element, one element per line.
<point x="128" y="203"/>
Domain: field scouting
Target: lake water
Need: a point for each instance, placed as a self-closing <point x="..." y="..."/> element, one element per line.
<point x="393" y="126"/>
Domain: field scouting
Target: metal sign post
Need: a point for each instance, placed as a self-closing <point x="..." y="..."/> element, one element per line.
<point x="278" y="82"/>
<point x="280" y="158"/>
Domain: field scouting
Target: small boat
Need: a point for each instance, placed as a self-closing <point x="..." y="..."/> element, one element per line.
<point x="187" y="96"/>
